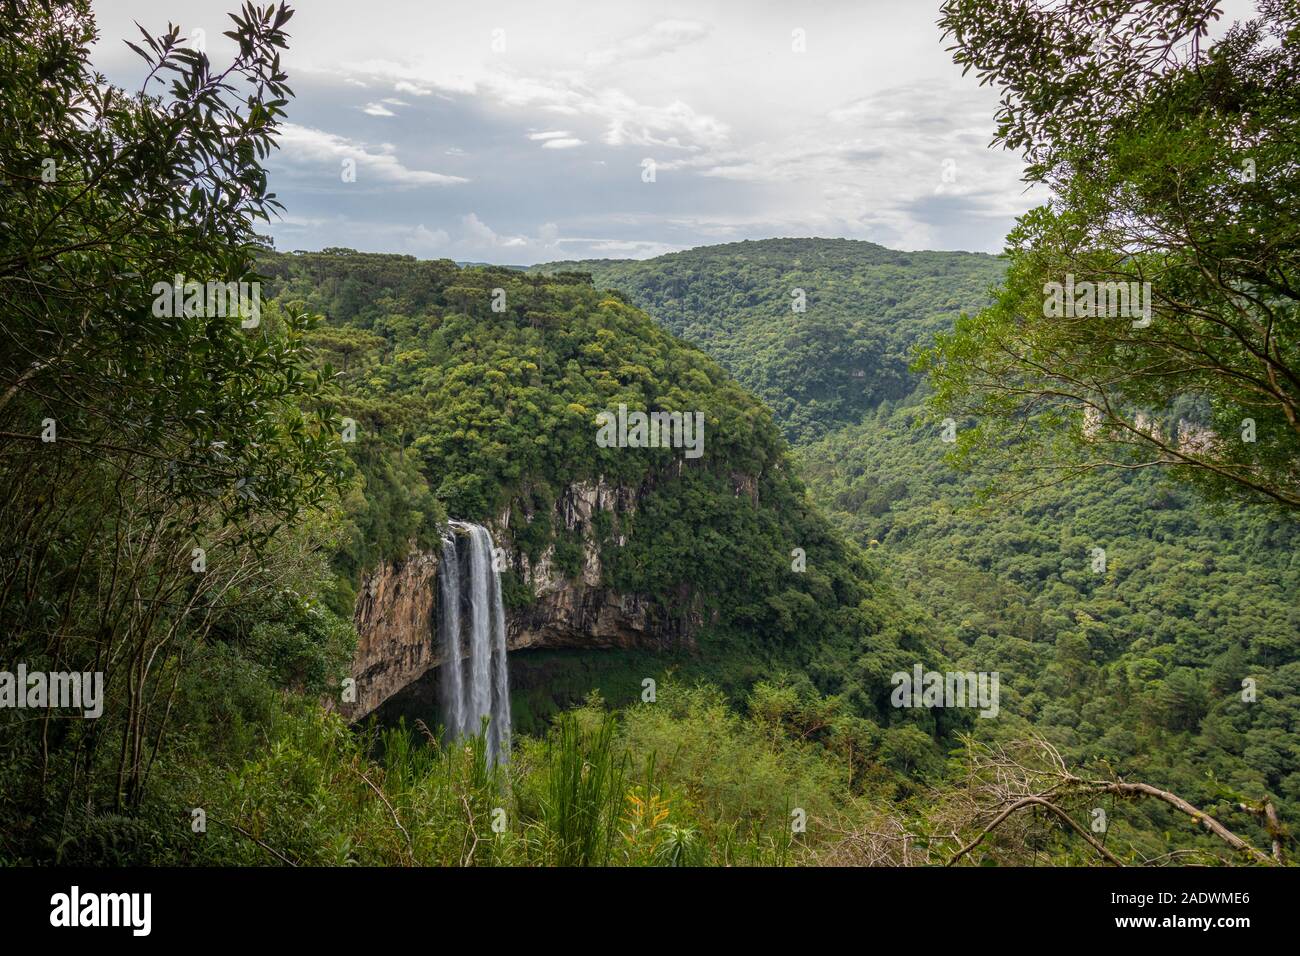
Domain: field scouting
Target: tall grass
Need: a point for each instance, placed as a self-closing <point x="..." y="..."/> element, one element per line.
<point x="686" y="785"/>
<point x="584" y="792"/>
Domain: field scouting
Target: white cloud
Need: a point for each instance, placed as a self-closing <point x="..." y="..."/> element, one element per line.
<point x="430" y="238"/>
<point x="667" y="36"/>
<point x="677" y="125"/>
<point x="751" y="139"/>
<point x="624" y="119"/>
<point x="479" y="235"/>
<point x="302" y="145"/>
<point x="299" y="232"/>
<point x="402" y="86"/>
<point x="621" y="248"/>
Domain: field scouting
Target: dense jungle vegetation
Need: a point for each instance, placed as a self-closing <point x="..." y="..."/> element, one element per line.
<point x="861" y="309"/>
<point x="465" y="411"/>
<point x="1139" y="665"/>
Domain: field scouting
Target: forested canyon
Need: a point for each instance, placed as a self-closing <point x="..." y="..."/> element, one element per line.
<point x="790" y="551"/>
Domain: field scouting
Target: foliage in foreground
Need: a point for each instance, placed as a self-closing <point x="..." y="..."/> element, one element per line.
<point x="165" y="475"/>
<point x="686" y="781"/>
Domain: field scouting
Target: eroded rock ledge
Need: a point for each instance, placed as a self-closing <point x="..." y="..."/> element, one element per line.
<point x="397" y="608"/>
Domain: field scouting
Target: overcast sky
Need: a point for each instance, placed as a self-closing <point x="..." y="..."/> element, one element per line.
<point x="518" y="132"/>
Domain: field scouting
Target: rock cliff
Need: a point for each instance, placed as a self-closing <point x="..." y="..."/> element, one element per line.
<point x="397" y="608"/>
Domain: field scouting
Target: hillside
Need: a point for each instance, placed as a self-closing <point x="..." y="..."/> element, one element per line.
<point x="1139" y="667"/>
<point x="864" y="307"/>
<point x="492" y="416"/>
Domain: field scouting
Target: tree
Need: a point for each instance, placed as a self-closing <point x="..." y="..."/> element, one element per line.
<point x="1151" y="312"/>
<point x="352" y="346"/>
<point x="1032" y="775"/>
<point x="112" y="197"/>
<point x="151" y="454"/>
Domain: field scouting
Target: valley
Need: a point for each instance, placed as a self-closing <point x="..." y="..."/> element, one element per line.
<point x="778" y="552"/>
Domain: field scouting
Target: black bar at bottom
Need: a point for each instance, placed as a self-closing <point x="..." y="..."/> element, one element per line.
<point x="369" y="906"/>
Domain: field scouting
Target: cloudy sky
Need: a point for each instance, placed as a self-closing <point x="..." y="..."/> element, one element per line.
<point x="521" y="132"/>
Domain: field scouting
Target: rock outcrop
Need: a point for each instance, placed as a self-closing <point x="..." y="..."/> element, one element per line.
<point x="396" y="630"/>
<point x="397" y="609"/>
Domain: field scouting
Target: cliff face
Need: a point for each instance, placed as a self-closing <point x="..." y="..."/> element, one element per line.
<point x="397" y="609"/>
<point x="394" y="616"/>
<point x="578" y="611"/>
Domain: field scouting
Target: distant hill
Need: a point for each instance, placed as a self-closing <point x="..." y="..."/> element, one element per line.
<point x="865" y="306"/>
<point x="1140" y="665"/>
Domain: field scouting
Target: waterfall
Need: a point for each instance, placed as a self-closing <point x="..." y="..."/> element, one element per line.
<point x="453" y="695"/>
<point x="475" y="680"/>
<point x="500" y="725"/>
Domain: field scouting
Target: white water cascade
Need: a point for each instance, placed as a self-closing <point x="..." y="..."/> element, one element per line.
<point x="475" y="681"/>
